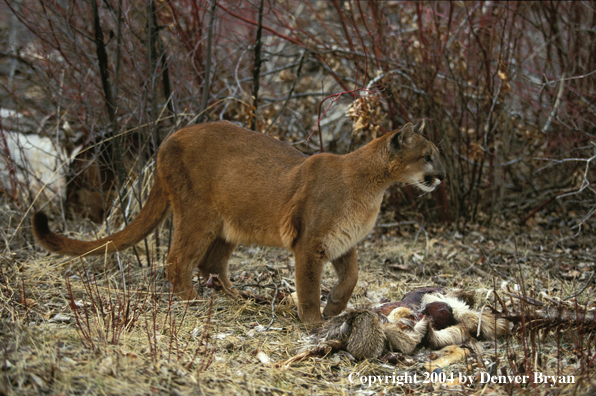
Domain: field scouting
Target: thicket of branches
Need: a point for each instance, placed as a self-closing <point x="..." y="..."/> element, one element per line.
<point x="507" y="89"/>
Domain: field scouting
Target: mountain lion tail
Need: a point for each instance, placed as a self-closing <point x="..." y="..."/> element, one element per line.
<point x="155" y="210"/>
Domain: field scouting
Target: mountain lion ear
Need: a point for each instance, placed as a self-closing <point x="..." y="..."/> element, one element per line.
<point x="418" y="128"/>
<point x="402" y="138"/>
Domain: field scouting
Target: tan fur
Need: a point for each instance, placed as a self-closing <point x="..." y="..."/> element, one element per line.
<point x="398" y="314"/>
<point x="405" y="341"/>
<point x="452" y="335"/>
<point x="447" y="356"/>
<point x="227" y="185"/>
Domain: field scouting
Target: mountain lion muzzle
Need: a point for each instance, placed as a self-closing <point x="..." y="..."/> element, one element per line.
<point x="227" y="185"/>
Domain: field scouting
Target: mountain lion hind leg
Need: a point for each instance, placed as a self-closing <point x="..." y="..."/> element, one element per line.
<point x="191" y="243"/>
<point x="215" y="261"/>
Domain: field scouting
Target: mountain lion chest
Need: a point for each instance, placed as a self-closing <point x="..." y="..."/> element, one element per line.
<point x="353" y="224"/>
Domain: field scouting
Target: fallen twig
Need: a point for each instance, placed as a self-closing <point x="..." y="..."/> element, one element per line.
<point x="320" y="351"/>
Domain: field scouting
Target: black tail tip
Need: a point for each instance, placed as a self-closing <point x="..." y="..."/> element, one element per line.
<point x="39" y="221"/>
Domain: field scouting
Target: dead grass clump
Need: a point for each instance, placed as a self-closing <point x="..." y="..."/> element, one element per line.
<point x="109" y="326"/>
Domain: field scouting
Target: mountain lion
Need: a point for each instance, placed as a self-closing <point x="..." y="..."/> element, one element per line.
<point x="227" y="185"/>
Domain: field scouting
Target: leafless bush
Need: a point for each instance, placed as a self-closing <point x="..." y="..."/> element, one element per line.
<point x="502" y="85"/>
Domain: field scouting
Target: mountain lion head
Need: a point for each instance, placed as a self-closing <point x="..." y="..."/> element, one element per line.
<point x="417" y="159"/>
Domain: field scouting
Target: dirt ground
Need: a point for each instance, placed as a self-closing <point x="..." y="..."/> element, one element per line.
<point x="126" y="335"/>
<point x="518" y="146"/>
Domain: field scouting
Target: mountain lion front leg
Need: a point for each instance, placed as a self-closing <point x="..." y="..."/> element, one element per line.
<point x="346" y="268"/>
<point x="309" y="268"/>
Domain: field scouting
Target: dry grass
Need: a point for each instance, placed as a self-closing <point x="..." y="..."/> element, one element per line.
<point x="489" y="77"/>
<point x="217" y="346"/>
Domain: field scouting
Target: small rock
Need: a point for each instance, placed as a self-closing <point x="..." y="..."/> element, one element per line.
<point x="60" y="318"/>
<point x="163" y="370"/>
<point x="38" y="381"/>
<point x="68" y="361"/>
<point x="106" y="366"/>
<point x="262" y="356"/>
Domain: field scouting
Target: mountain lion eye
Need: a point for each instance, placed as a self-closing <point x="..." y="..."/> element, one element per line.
<point x="427" y="158"/>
